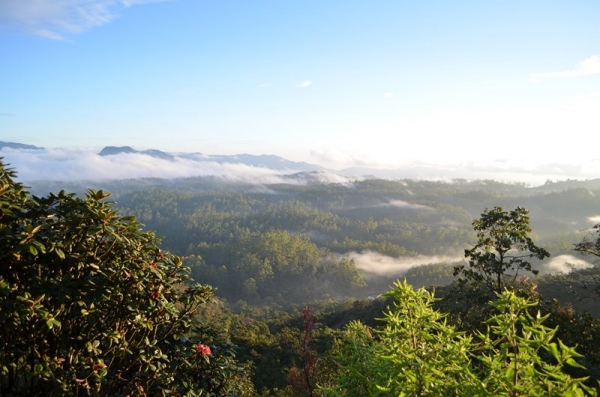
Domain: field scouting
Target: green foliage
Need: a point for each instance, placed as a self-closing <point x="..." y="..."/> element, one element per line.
<point x="89" y="305"/>
<point x="358" y="358"/>
<point x="467" y="304"/>
<point x="433" y="274"/>
<point x="577" y="328"/>
<point x="503" y="245"/>
<point x="428" y="356"/>
<point x="418" y="353"/>
<point x="521" y="357"/>
<point x="278" y="265"/>
<point x="415" y="354"/>
<point x="384" y="247"/>
<point x="222" y="223"/>
<point x="219" y="373"/>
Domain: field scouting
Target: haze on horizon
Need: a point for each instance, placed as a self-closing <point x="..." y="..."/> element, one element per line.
<point x="341" y="84"/>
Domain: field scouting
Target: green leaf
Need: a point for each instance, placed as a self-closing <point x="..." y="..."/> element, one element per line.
<point x="573" y="363"/>
<point x="52" y="322"/>
<point x="553" y="349"/>
<point x="60" y="253"/>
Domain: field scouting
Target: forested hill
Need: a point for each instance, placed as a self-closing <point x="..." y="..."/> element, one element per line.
<point x="340" y="238"/>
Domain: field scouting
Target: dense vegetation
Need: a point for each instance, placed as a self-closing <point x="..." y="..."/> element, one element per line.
<point x="94" y="306"/>
<point x="89" y="305"/>
<point x="416" y="353"/>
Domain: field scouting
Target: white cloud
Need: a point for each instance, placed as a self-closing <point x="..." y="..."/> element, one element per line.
<point x="499" y="165"/>
<point x="70" y="164"/>
<point x="388" y="94"/>
<point x="76" y="164"/>
<point x="55" y="19"/>
<point x="304" y="84"/>
<point x="583" y="68"/>
<point x="564" y="264"/>
<point x="383" y="265"/>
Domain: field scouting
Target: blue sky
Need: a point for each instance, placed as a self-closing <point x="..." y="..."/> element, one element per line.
<point x="338" y="83"/>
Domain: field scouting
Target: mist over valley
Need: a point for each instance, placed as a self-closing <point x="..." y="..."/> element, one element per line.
<point x="364" y="230"/>
<point x="124" y="162"/>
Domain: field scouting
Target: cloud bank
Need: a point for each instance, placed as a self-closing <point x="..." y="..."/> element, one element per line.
<point x="85" y="164"/>
<point x="583" y="68"/>
<point x="56" y="19"/>
<point x="373" y="263"/>
<point x="72" y="164"/>
<point x="564" y="264"/>
<point x="383" y="265"/>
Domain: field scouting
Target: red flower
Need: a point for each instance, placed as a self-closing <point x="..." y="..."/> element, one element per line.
<point x="202" y="349"/>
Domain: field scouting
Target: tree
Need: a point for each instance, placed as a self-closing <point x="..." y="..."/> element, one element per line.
<point x="502" y="249"/>
<point x="590" y="243"/>
<point x="89" y="304"/>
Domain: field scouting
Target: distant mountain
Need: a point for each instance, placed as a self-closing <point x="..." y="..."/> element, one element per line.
<point x="15" y="145"/>
<point x="114" y="150"/>
<point x="549" y="186"/>
<point x="266" y="161"/>
<point x="313" y="177"/>
<point x="262" y="161"/>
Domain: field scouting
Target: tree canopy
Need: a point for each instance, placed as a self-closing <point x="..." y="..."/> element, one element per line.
<point x="502" y="249"/>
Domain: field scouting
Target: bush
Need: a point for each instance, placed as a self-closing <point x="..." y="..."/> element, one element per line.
<point x="89" y="305"/>
<point x="418" y="354"/>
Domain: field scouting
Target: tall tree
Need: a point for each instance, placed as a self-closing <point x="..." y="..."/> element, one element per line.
<point x="503" y="249"/>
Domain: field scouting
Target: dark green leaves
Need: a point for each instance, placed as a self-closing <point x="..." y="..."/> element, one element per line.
<point x="87" y="300"/>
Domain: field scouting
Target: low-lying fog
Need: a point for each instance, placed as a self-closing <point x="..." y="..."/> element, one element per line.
<point x="372" y="263"/>
<point x="72" y="164"/>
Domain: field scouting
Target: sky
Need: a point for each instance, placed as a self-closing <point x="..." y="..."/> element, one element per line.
<point x="338" y="83"/>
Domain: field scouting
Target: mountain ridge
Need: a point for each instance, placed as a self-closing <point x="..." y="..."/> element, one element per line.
<point x="16" y="145"/>
<point x="263" y="160"/>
